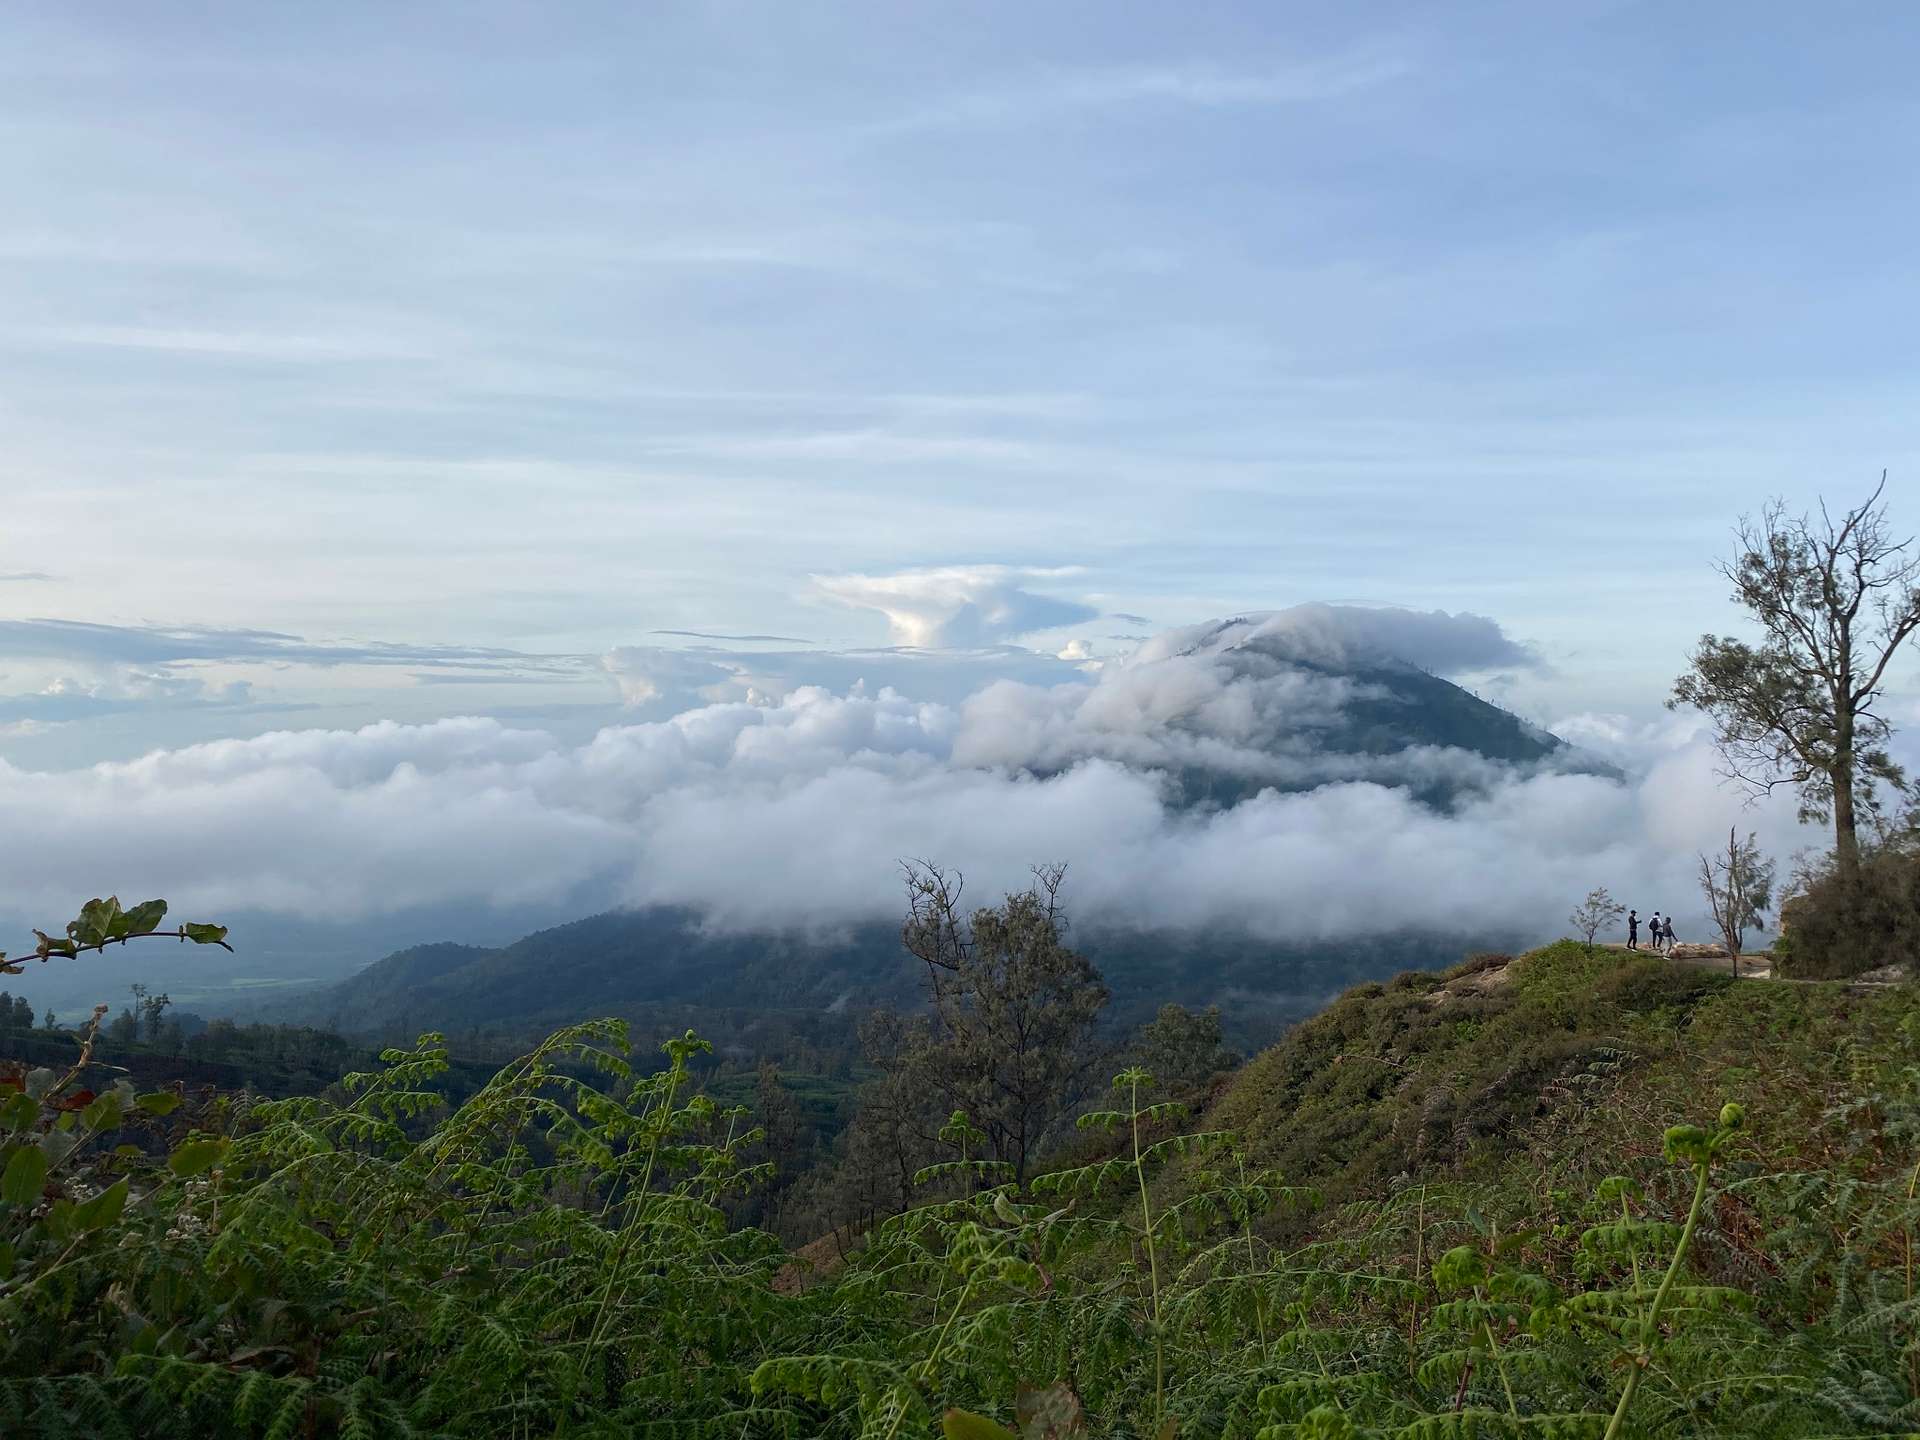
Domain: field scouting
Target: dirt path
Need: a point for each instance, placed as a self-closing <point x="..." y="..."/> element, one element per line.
<point x="1753" y="967"/>
<point x="1706" y="957"/>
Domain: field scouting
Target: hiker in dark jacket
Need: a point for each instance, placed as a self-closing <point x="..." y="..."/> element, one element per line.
<point x="1633" y="929"/>
<point x="1653" y="929"/>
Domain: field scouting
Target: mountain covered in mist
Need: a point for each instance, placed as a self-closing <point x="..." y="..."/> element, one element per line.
<point x="659" y="968"/>
<point x="1285" y="700"/>
<point x="1220" y="713"/>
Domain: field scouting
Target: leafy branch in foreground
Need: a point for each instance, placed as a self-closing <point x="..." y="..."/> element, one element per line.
<point x="103" y="922"/>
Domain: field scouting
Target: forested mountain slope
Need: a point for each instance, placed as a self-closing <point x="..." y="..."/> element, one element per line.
<point x="660" y="967"/>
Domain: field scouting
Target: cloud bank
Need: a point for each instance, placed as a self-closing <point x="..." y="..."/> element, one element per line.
<point x="792" y="812"/>
<point x="957" y="605"/>
<point x="75" y="640"/>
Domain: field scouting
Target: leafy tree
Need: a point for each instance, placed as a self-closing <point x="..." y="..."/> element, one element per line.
<point x="1738" y="884"/>
<point x="779" y="1115"/>
<point x="16" y="1012"/>
<point x="1834" y="600"/>
<point x="1599" y="911"/>
<point x="1181" y="1048"/>
<point x="1013" y="1006"/>
<point x="150" y="1009"/>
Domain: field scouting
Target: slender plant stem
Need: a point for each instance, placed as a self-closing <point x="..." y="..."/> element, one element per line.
<point x="1913" y="1349"/>
<point x="1253" y="1269"/>
<point x="1633" y="1255"/>
<point x="1645" y="1357"/>
<point x="1419" y="1269"/>
<point x="939" y="1341"/>
<point x="1153" y="1265"/>
<point x="1499" y="1360"/>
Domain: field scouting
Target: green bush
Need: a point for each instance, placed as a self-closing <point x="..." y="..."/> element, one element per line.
<point x="1647" y="984"/>
<point x="1832" y="929"/>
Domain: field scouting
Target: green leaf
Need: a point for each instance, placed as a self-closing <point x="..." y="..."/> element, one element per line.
<point x="159" y="1102"/>
<point x="59" y="1221"/>
<point x="103" y="1209"/>
<point x="965" y="1425"/>
<point x="19" y="1111"/>
<point x="96" y="921"/>
<point x="145" y="917"/>
<point x="1689" y="1143"/>
<point x="1460" y="1268"/>
<point x="204" y="934"/>
<point x="25" y="1174"/>
<point x="103" y="1113"/>
<point x="195" y="1156"/>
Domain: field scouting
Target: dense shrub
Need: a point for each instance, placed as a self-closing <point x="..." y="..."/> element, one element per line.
<point x="1831" y="929"/>
<point x="1648" y="984"/>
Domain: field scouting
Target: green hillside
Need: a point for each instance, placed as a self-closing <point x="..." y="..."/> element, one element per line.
<point x="1504" y="1201"/>
<point x="1563" y="1061"/>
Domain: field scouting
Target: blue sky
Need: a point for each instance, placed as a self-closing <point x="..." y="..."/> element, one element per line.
<point x="415" y="335"/>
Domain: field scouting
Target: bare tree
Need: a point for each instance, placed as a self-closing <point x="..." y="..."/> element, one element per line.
<point x="1014" y="1007"/>
<point x="1599" y="911"/>
<point x="1738" y="884"/>
<point x="1834" y="600"/>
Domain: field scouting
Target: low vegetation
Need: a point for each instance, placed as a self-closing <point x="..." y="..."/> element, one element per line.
<point x="1574" y="1194"/>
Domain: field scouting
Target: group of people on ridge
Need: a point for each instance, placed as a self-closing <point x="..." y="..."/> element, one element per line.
<point x="1660" y="930"/>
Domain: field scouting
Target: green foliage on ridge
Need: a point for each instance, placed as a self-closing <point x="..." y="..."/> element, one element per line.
<point x="1503" y="1202"/>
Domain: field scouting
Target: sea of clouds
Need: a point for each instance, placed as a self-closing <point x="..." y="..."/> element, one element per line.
<point x="791" y="807"/>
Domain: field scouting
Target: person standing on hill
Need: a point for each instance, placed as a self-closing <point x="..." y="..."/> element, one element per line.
<point x="1666" y="930"/>
<point x="1653" y="929"/>
<point x="1633" y="929"/>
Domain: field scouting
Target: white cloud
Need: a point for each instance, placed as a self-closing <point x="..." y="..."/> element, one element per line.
<point x="958" y="605"/>
<point x="1444" y="643"/>
<point x="794" y="813"/>
<point x="1203" y="86"/>
<point x="662" y="680"/>
<point x="86" y="642"/>
<point x="646" y="673"/>
<point x="274" y="347"/>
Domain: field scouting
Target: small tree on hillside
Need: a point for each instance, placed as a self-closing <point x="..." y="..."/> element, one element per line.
<point x="1014" y="1007"/>
<point x="1181" y="1048"/>
<point x="1599" y="911"/>
<point x="1738" y="884"/>
<point x="1834" y="600"/>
